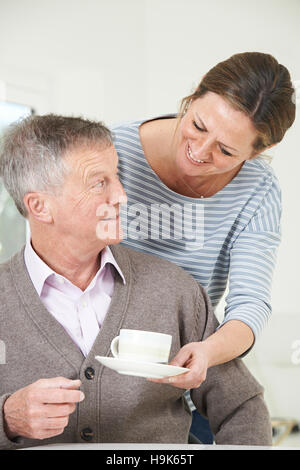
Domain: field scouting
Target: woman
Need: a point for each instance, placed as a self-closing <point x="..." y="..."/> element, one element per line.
<point x="208" y="158"/>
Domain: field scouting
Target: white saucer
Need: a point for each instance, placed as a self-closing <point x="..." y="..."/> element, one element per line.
<point x="149" y="370"/>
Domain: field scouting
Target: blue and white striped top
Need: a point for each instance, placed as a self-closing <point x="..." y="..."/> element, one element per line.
<point x="236" y="231"/>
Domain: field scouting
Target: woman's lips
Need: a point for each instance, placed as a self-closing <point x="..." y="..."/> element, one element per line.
<point x="192" y="159"/>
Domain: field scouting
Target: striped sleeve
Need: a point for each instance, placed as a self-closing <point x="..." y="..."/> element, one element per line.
<point x="252" y="263"/>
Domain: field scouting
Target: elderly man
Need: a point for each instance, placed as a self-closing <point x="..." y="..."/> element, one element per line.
<point x="67" y="294"/>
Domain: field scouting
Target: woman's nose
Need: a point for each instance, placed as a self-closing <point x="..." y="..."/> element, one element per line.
<point x="202" y="149"/>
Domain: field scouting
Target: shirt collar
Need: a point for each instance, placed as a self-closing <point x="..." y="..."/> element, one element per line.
<point x="108" y="257"/>
<point x="39" y="271"/>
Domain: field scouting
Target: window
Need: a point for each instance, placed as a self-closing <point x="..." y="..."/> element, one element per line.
<point x="12" y="224"/>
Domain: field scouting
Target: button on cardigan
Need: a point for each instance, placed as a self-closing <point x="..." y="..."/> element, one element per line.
<point x="157" y="296"/>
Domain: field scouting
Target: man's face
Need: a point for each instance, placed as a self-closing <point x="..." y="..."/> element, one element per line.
<point x="87" y="210"/>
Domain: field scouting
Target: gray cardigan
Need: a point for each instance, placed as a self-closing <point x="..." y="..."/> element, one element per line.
<point x="157" y="296"/>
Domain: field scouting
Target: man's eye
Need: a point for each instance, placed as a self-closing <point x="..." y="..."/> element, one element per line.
<point x="100" y="184"/>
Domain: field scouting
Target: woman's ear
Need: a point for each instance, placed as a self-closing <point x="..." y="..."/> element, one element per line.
<point x="39" y="207"/>
<point x="256" y="154"/>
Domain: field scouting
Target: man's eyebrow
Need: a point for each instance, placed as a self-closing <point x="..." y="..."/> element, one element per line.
<point x="94" y="173"/>
<point x="202" y="123"/>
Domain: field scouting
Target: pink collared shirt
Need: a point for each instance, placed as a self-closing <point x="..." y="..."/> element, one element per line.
<point x="80" y="313"/>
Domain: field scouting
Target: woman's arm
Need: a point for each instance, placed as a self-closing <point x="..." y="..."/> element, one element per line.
<point x="230" y="341"/>
<point x="252" y="262"/>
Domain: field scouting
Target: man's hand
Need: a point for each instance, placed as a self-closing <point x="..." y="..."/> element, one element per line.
<point x="41" y="410"/>
<point x="193" y="356"/>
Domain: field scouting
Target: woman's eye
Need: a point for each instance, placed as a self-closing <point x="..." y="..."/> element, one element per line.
<point x="226" y="153"/>
<point x="197" y="127"/>
<point x="203" y="130"/>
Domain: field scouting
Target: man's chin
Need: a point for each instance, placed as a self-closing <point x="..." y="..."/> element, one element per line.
<point x="113" y="241"/>
<point x="110" y="234"/>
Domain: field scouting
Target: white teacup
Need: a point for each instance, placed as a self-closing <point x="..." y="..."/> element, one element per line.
<point x="145" y="346"/>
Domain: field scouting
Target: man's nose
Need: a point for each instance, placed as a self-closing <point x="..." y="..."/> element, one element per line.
<point x="117" y="194"/>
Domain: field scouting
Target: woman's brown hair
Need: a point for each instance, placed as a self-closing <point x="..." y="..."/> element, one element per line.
<point x="256" y="84"/>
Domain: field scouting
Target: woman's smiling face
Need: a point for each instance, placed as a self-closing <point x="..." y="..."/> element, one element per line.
<point x="213" y="138"/>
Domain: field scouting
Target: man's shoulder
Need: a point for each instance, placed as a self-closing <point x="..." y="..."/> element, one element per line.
<point x="155" y="267"/>
<point x="5" y="267"/>
<point x="14" y="261"/>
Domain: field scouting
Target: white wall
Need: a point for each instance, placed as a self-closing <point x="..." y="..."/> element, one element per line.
<point x="88" y="53"/>
<point x="116" y="60"/>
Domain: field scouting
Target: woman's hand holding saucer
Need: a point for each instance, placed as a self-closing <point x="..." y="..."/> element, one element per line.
<point x="194" y="357"/>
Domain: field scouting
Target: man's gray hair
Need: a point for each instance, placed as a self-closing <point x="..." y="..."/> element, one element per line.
<point x="32" y="151"/>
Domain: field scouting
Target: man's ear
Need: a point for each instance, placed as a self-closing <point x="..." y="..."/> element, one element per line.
<point x="39" y="207"/>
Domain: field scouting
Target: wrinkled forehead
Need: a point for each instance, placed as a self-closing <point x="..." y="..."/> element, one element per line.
<point x="89" y="158"/>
